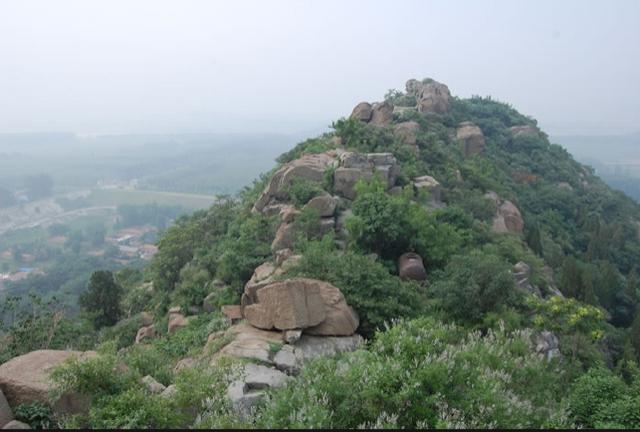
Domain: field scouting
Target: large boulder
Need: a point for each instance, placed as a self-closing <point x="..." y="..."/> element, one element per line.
<point x="432" y="97"/>
<point x="6" y="415"/>
<point x="429" y="185"/>
<point x="16" y="425"/>
<point x="522" y="276"/>
<point x="301" y="303"/>
<point x="324" y="204"/>
<point x="382" y="114"/>
<point x="26" y="378"/>
<point x="285" y="237"/>
<point x="547" y="345"/>
<point x="411" y="267"/>
<point x="152" y="385"/>
<point x="363" y="112"/>
<point x="147" y="332"/>
<point x="309" y="167"/>
<point x="471" y="137"/>
<point x="407" y="132"/>
<point x="357" y="166"/>
<point x="508" y="219"/>
<point x="176" y="320"/>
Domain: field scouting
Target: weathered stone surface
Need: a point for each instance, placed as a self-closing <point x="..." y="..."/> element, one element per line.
<point x="258" y="377"/>
<point x="382" y="114"/>
<point x="285" y="305"/>
<point x="185" y="363"/>
<point x="6" y="415"/>
<point x="286" y="361"/>
<point x="522" y="275"/>
<point x="243" y="400"/>
<point x="146" y="318"/>
<point x="524" y="130"/>
<point x="411" y="267"/>
<point x="169" y="392"/>
<point x="363" y="112"/>
<point x="341" y="223"/>
<point x="432" y="97"/>
<point x="251" y="343"/>
<point x="232" y="312"/>
<point x="508" y="219"/>
<point x="357" y="166"/>
<point x="291" y="336"/>
<point x="152" y="385"/>
<point x="176" y="321"/>
<point x="312" y="347"/>
<point x="341" y="319"/>
<point x="15" y="425"/>
<point x="407" y="132"/>
<point x="429" y="185"/>
<point x="547" y="345"/>
<point x="285" y="237"/>
<point x="324" y="204"/>
<point x="471" y="138"/>
<point x="147" y="332"/>
<point x="26" y="378"/>
<point x="309" y="167"/>
<point x="174" y="310"/>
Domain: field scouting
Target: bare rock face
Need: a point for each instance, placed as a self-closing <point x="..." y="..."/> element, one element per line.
<point x="407" y="132"/>
<point x="471" y="137"/>
<point x="411" y="267"/>
<point x="357" y="166"/>
<point x="522" y="276"/>
<point x="363" y="112"/>
<point x="429" y="185"/>
<point x="26" y="378"/>
<point x="433" y="97"/>
<point x="524" y="130"/>
<point x="285" y="237"/>
<point x="152" y="385"/>
<point x="16" y="425"/>
<point x="6" y="415"/>
<point x="233" y="313"/>
<point x="146" y="332"/>
<point x="547" y="345"/>
<point x="315" y="306"/>
<point x="324" y="204"/>
<point x="176" y="320"/>
<point x="508" y="219"/>
<point x="382" y="114"/>
<point x="309" y="167"/>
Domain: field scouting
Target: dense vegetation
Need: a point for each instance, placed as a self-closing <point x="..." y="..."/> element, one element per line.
<point x="456" y="351"/>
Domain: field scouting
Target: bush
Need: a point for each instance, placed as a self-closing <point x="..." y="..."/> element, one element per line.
<point x="35" y="414"/>
<point x="135" y="409"/>
<point x="424" y="374"/>
<point x="300" y="191"/>
<point x="473" y="285"/>
<point x="376" y="295"/>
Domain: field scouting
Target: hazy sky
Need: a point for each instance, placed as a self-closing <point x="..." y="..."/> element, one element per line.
<point x="286" y="66"/>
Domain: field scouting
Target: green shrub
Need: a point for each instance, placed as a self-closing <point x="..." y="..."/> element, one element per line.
<point x="123" y="333"/>
<point x="35" y="414"/>
<point x="473" y="285"/>
<point x="301" y="190"/>
<point x="135" y="409"/>
<point x="376" y="295"/>
<point x="593" y="394"/>
<point x="424" y="374"/>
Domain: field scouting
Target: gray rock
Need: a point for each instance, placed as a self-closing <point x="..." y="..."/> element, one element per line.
<point x="244" y="401"/>
<point x="312" y="347"/>
<point x="152" y="385"/>
<point x="547" y="345"/>
<point x="324" y="204"/>
<point x="169" y="392"/>
<point x="15" y="424"/>
<point x="6" y="415"/>
<point x="362" y="112"/>
<point x="258" y="377"/>
<point x="286" y="360"/>
<point x="471" y="137"/>
<point x="291" y="336"/>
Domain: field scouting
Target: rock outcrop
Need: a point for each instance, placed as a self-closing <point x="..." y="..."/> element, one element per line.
<point x="522" y="276"/>
<point x="324" y="204"/>
<point x="309" y="167"/>
<point x="382" y="114"/>
<point x="358" y="166"/>
<point x="407" y="132"/>
<point x="432" y="97"/>
<point x="176" y="320"/>
<point x="547" y="345"/>
<point x="26" y="378"/>
<point x="6" y="415"/>
<point x="362" y="112"/>
<point x="146" y="332"/>
<point x="471" y="137"/>
<point x="315" y="306"/>
<point x="429" y="185"/>
<point x="16" y="425"/>
<point x="411" y="267"/>
<point x="508" y="218"/>
<point x="152" y="385"/>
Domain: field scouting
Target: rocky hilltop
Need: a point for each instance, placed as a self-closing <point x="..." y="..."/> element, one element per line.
<point x="421" y="205"/>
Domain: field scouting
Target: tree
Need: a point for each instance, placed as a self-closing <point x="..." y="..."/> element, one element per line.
<point x="102" y="299"/>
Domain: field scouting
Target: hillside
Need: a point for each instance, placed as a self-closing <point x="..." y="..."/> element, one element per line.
<point x="430" y="262"/>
